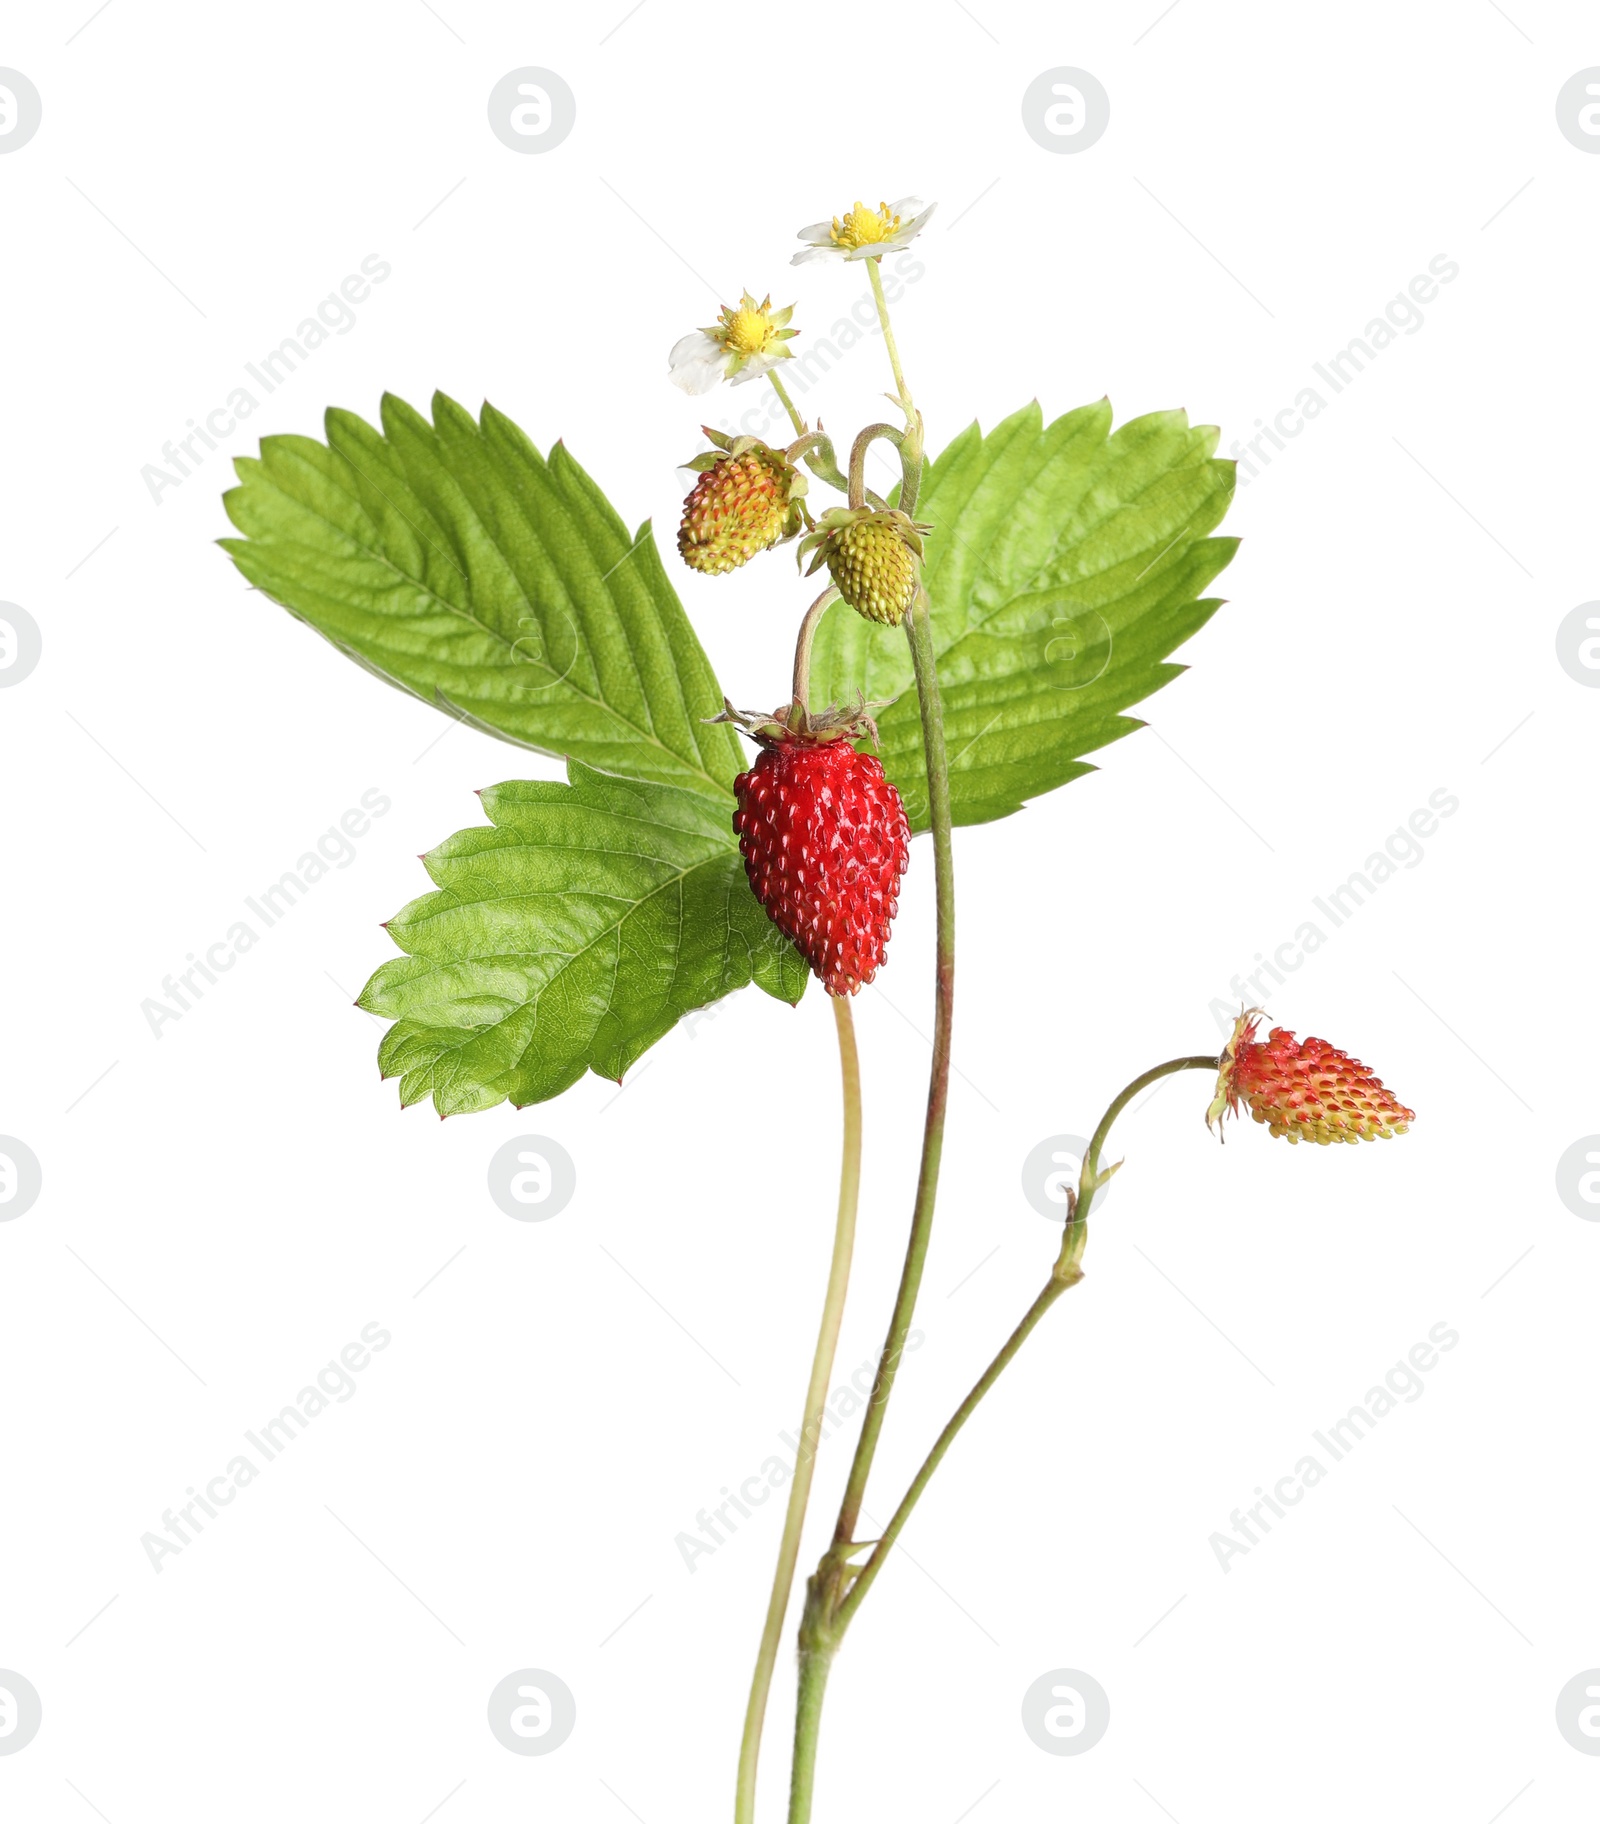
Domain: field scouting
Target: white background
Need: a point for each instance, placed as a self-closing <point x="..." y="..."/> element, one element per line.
<point x="228" y="1207"/>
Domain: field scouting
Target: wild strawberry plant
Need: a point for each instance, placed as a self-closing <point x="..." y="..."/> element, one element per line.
<point x="983" y="628"/>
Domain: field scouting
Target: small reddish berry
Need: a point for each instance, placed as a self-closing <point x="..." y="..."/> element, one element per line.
<point x="825" y="840"/>
<point x="1306" y="1090"/>
<point x="739" y="507"/>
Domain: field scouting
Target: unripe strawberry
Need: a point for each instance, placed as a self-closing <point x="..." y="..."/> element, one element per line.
<point x="825" y="840"/>
<point x="873" y="557"/>
<point x="1306" y="1090"/>
<point x="743" y="502"/>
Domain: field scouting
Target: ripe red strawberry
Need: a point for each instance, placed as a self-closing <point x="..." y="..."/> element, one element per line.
<point x="825" y="840"/>
<point x="1304" y="1091"/>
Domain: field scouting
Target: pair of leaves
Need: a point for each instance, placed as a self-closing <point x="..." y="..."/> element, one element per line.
<point x="457" y="563"/>
<point x="1066" y="562"/>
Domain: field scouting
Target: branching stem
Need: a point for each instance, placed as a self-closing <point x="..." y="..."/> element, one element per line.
<point x="818" y="452"/>
<point x="1066" y="1273"/>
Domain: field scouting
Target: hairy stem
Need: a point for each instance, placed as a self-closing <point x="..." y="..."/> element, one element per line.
<point x="815" y="1664"/>
<point x="888" y="333"/>
<point x="1066" y="1273"/>
<point x="818" y="451"/>
<point x="811" y="1422"/>
<point x="801" y="694"/>
<point x="905" y="1303"/>
<point x="789" y="406"/>
<point x="819" y="1632"/>
<point x="858" y="458"/>
<point x="1053" y="1289"/>
<point x="803" y="445"/>
<point x="1089" y="1175"/>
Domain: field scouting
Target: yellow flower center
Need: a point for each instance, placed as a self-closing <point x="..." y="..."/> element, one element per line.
<point x="749" y="331"/>
<point x="864" y="227"/>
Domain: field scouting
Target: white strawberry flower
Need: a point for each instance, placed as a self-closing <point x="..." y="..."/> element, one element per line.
<point x="745" y="341"/>
<point x="865" y="234"/>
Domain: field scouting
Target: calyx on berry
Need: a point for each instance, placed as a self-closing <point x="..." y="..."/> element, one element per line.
<point x="794" y="722"/>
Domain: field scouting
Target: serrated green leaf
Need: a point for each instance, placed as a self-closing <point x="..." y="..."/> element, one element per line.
<point x="456" y="562"/>
<point x="1066" y="563"/>
<point x="569" y="934"/>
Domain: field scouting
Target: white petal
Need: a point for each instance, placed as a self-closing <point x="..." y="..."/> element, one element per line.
<point x="696" y="363"/>
<point x="696" y="346"/>
<point x="907" y="205"/>
<point x="818" y="231"/>
<point x="815" y="253"/>
<point x="754" y="367"/>
<point x="698" y="376"/>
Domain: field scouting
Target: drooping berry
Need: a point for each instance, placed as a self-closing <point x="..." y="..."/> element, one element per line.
<point x="873" y="557"/>
<point x="1306" y="1090"/>
<point x="743" y="502"/>
<point x="825" y="840"/>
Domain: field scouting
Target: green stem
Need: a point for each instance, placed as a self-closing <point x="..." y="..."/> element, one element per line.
<point x="1089" y="1178"/>
<point x="811" y="1422"/>
<point x="1066" y="1273"/>
<point x="818" y="454"/>
<point x="803" y="445"/>
<point x="911" y="445"/>
<point x="1053" y="1289"/>
<point x="782" y="391"/>
<point x="819" y="1634"/>
<point x="801" y="693"/>
<point x="888" y="333"/>
<point x="815" y="1664"/>
<point x="921" y="636"/>
<point x="858" y="458"/>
